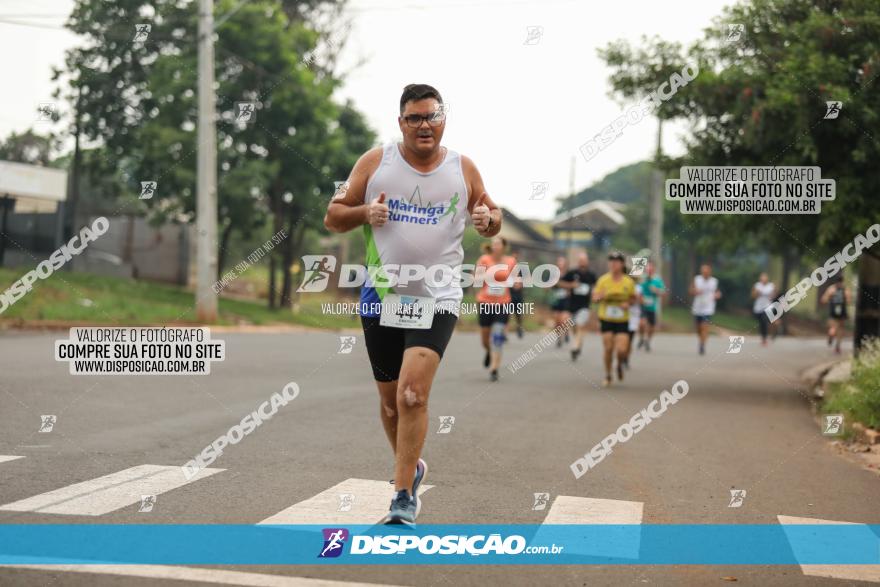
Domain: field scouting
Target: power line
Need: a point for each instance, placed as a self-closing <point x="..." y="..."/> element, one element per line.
<point x="31" y="24"/>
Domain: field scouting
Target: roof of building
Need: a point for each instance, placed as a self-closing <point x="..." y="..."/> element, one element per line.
<point x="596" y="215"/>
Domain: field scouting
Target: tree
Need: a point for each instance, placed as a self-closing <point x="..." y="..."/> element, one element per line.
<point x="762" y="101"/>
<point x="27" y="147"/>
<point x="767" y="103"/>
<point x="137" y="98"/>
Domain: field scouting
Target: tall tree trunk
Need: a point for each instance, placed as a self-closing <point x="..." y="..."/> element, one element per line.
<point x="272" y="279"/>
<point x="296" y="250"/>
<point x="277" y="219"/>
<point x="787" y="262"/>
<point x="221" y="254"/>
<point x="286" y="300"/>
<point x="867" y="320"/>
<point x="689" y="278"/>
<point x="70" y="206"/>
<point x="287" y="255"/>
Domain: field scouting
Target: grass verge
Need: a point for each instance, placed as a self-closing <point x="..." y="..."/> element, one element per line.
<point x="858" y="398"/>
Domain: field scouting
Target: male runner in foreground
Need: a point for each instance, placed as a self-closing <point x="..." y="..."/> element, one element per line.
<point x="413" y="199"/>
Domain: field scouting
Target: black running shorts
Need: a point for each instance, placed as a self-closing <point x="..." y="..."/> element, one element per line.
<point x="385" y="345"/>
<point x="488" y="314"/>
<point x="615" y="327"/>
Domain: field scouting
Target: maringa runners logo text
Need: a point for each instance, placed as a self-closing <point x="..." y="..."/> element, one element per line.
<point x="401" y="210"/>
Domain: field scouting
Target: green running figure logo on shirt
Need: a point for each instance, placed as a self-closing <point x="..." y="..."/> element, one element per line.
<point x="415" y="204"/>
<point x="453" y="206"/>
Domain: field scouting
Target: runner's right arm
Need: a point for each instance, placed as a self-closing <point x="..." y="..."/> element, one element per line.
<point x="566" y="282"/>
<point x="599" y="291"/>
<point x="347" y="209"/>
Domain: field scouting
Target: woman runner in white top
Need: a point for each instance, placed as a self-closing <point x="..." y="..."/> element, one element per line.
<point x="763" y="293"/>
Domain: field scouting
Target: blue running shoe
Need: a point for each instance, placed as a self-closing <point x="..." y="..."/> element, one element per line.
<point x="402" y="510"/>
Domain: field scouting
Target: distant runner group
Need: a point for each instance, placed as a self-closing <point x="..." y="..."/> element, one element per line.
<point x="625" y="308"/>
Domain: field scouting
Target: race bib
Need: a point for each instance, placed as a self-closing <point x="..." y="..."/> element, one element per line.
<point x="615" y="312"/>
<point x="582" y="289"/>
<point x="415" y="312"/>
<point x="496" y="290"/>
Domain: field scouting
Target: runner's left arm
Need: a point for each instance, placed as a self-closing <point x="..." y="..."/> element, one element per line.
<point x="487" y="225"/>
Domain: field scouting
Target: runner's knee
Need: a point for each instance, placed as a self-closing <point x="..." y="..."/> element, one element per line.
<point x="411" y="396"/>
<point x="498" y="335"/>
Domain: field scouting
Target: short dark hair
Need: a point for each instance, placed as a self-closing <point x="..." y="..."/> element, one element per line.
<point x="415" y="92"/>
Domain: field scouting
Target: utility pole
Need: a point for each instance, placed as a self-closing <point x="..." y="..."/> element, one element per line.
<point x="568" y="255"/>
<point x="206" y="184"/>
<point x="655" y="217"/>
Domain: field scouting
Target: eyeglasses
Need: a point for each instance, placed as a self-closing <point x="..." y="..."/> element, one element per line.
<point x="433" y="119"/>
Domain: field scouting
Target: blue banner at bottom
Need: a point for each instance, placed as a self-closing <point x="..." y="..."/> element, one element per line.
<point x="547" y="544"/>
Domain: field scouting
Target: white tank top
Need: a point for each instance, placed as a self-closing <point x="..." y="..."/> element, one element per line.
<point x="427" y="213"/>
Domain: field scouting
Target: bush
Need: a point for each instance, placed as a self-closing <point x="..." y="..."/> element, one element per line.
<point x="859" y="397"/>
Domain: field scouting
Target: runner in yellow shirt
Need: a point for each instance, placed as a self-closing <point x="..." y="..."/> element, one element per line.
<point x="614" y="291"/>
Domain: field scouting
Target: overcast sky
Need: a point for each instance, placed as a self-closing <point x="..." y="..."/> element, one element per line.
<point x="520" y="111"/>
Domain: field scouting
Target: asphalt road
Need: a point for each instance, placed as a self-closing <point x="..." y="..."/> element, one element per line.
<point x="745" y="423"/>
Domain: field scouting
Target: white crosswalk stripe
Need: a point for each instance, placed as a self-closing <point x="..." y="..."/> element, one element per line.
<point x="108" y="493"/>
<point x="848" y="572"/>
<point x="5" y="458"/>
<point x="624" y="543"/>
<point x="216" y="576"/>
<point x="369" y="504"/>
